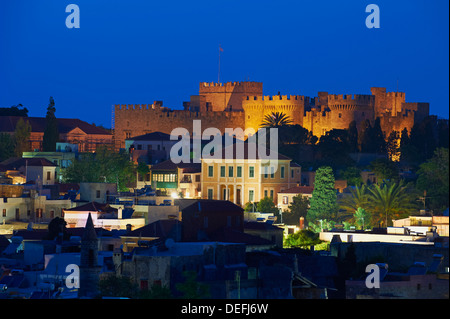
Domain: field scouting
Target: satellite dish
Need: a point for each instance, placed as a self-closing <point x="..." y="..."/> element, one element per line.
<point x="169" y="243"/>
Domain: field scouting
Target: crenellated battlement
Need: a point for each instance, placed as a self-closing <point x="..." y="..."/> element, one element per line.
<point x="133" y="107"/>
<point x="159" y="112"/>
<point x="247" y="84"/>
<point x="396" y="95"/>
<point x="346" y="98"/>
<point x="275" y="98"/>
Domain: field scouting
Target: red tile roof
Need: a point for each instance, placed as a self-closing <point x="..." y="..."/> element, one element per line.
<point x="15" y="162"/>
<point x="298" y="190"/>
<point x="8" y="124"/>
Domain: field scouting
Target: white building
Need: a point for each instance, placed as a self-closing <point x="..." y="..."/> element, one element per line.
<point x="103" y="215"/>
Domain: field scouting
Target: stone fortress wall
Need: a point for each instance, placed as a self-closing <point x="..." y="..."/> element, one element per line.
<point x="242" y="105"/>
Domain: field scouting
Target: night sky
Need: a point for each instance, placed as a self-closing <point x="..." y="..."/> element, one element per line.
<point x="138" y="51"/>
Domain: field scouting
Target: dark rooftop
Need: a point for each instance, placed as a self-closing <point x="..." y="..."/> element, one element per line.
<point x="298" y="190"/>
<point x="8" y="124"/>
<point x="154" y="136"/>
<point x="14" y="163"/>
<point x="93" y="207"/>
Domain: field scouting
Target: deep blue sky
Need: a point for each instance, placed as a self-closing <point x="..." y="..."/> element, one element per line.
<point x="138" y="51"/>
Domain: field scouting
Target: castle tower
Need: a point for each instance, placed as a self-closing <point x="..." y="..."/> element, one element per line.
<point x="219" y="97"/>
<point x="347" y="108"/>
<point x="257" y="107"/>
<point x="387" y="102"/>
<point x="338" y="111"/>
<point x="89" y="268"/>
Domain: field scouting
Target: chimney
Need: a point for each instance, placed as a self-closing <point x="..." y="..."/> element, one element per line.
<point x="119" y="213"/>
<point x="302" y="222"/>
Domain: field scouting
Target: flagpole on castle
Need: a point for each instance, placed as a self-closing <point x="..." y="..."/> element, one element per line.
<point x="218" y="75"/>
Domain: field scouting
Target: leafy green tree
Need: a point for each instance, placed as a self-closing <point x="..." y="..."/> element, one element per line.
<point x="352" y="137"/>
<point x="393" y="146"/>
<point x="385" y="169"/>
<point x="251" y="207"/>
<point x="298" y="208"/>
<point x="15" y="110"/>
<point x="276" y="120"/>
<point x="334" y="148"/>
<point x="362" y="218"/>
<point x="291" y="138"/>
<point x="295" y="135"/>
<point x="320" y="225"/>
<point x="407" y="150"/>
<point x="372" y="139"/>
<point x="117" y="286"/>
<point x="391" y="200"/>
<point x="421" y="143"/>
<point x="364" y="137"/>
<point x="22" y="137"/>
<point x="156" y="292"/>
<point x="6" y="146"/>
<point x="191" y="288"/>
<point x="51" y="132"/>
<point x="443" y="134"/>
<point x="323" y="203"/>
<point x="304" y="238"/>
<point x="103" y="166"/>
<point x="378" y="139"/>
<point x="56" y="227"/>
<point x="142" y="169"/>
<point x="266" y="205"/>
<point x="352" y="175"/>
<point x="433" y="177"/>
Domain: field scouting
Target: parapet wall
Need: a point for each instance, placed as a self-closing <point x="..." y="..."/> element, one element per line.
<point x="227" y="96"/>
<point x="213" y="87"/>
<point x="139" y="119"/>
<point x="257" y="107"/>
<point x="350" y="102"/>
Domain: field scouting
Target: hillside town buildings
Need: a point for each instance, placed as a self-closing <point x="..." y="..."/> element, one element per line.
<point x="180" y="219"/>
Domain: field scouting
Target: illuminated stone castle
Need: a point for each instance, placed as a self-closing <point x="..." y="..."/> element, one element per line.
<point x="243" y="105"/>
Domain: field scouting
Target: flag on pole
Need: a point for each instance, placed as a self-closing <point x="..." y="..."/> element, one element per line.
<point x="220" y="49"/>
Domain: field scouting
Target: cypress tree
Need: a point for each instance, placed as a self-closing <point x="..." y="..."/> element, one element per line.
<point x="51" y="133"/>
<point x="323" y="203"/>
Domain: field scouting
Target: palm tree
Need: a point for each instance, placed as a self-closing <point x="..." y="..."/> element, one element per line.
<point x="361" y="217"/>
<point x="391" y="199"/>
<point x="276" y="120"/>
<point x="358" y="198"/>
